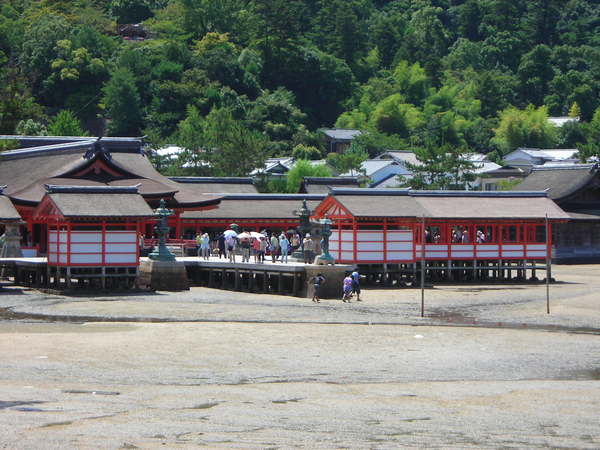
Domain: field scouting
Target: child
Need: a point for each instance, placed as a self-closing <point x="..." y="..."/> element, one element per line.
<point x="347" y="289"/>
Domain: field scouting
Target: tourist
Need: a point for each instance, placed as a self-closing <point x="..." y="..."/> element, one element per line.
<point x="221" y="246"/>
<point x="347" y="289"/>
<point x="309" y="249"/>
<point x="262" y="249"/>
<point x="356" y="284"/>
<point x="198" y="244"/>
<point x="256" y="249"/>
<point x="295" y="241"/>
<point x="245" y="246"/>
<point x="317" y="282"/>
<point x="205" y="246"/>
<point x="230" y="246"/>
<point x="284" y="245"/>
<point x="274" y="247"/>
<point x="465" y="237"/>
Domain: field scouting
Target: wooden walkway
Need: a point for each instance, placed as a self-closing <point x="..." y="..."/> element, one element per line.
<point x="274" y="278"/>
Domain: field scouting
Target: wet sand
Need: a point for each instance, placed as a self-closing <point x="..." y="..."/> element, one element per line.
<point x="487" y="368"/>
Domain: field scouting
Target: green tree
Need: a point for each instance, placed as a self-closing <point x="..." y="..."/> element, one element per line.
<point x="191" y="136"/>
<point x="439" y="167"/>
<point x="30" y="127"/>
<point x="524" y="128"/>
<point x="65" y="124"/>
<point x="130" y="11"/>
<point x="304" y="168"/>
<point x="306" y="152"/>
<point x="535" y="72"/>
<point x="121" y="102"/>
<point x="349" y="161"/>
<point x="394" y="116"/>
<point x="231" y="148"/>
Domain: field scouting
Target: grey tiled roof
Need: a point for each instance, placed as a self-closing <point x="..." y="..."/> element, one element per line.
<point x="559" y="181"/>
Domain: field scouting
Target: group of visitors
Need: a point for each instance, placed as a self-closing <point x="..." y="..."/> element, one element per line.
<point x="247" y="244"/>
<point x="350" y="287"/>
<point x="457" y="236"/>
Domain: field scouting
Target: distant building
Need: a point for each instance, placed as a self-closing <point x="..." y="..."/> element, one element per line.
<point x="497" y="179"/>
<point x="560" y="121"/>
<point x="322" y="185"/>
<point x="529" y="157"/>
<point x="218" y="185"/>
<point x="339" y="139"/>
<point x="576" y="189"/>
<point x="277" y="167"/>
<point x="375" y="171"/>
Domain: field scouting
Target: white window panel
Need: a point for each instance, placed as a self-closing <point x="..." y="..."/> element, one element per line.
<point x="456" y="254"/>
<point x="399" y="236"/>
<point x="86" y="236"/>
<point x="400" y="256"/>
<point x="115" y="258"/>
<point x="484" y="255"/>
<point x="370" y="236"/>
<point x="370" y="256"/>
<point x="121" y="248"/>
<point x="370" y="246"/>
<point x="506" y="254"/>
<point x="399" y="246"/>
<point x="512" y="247"/>
<point x="94" y="258"/>
<point x="121" y="236"/>
<point x="86" y="248"/>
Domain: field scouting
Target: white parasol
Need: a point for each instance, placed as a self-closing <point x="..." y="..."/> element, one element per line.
<point x="229" y="234"/>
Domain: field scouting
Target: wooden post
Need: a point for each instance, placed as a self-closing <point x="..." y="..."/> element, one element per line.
<point x="423" y="266"/>
<point x="548" y="262"/>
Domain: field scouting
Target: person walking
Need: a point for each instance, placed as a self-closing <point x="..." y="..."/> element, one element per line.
<point x="317" y="281"/>
<point x="309" y="249"/>
<point x="274" y="247"/>
<point x="356" y="284"/>
<point x="205" y="246"/>
<point x="284" y="245"/>
<point x="347" y="289"/>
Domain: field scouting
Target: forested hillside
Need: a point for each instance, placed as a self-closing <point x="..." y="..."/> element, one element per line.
<point x="264" y="75"/>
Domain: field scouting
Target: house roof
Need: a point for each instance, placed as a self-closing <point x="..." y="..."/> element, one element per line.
<point x="99" y="201"/>
<point x="218" y="185"/>
<point x="8" y="213"/>
<point x="400" y="156"/>
<point x="371" y="166"/>
<point x="389" y="182"/>
<point x="321" y="185"/>
<point x="557" y="154"/>
<point x="26" y="171"/>
<point x="448" y="204"/>
<point x="257" y="206"/>
<point x="341" y="134"/>
<point x="481" y="166"/>
<point x="559" y="181"/>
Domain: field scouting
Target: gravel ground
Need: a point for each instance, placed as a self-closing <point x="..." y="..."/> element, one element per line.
<point x="486" y="368"/>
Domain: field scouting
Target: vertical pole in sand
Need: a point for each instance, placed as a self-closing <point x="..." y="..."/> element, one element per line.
<point x="548" y="262"/>
<point x="423" y="266"/>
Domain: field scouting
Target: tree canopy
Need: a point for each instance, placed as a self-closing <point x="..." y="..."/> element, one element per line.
<point x="472" y="74"/>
